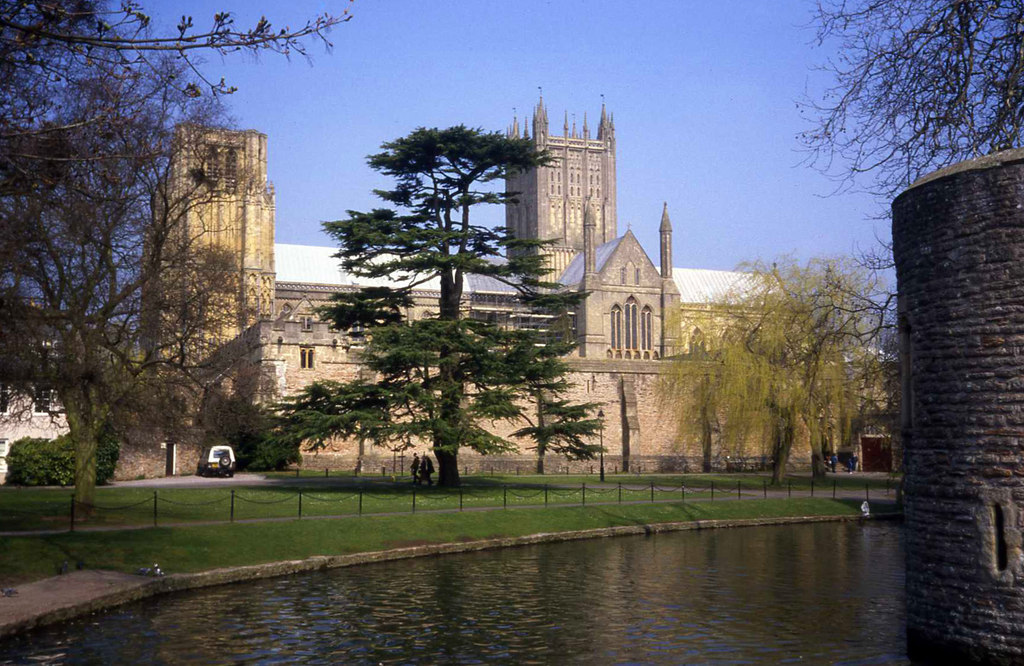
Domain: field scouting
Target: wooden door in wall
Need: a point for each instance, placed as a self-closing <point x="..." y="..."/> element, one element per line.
<point x="876" y="453"/>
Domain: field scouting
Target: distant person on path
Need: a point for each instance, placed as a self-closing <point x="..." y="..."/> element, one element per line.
<point x="834" y="460"/>
<point x="853" y="462"/>
<point x="416" y="469"/>
<point x="426" y="469"/>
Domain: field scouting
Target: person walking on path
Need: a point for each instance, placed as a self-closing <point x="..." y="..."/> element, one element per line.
<point x="834" y="460"/>
<point x="416" y="469"/>
<point x="426" y="469"/>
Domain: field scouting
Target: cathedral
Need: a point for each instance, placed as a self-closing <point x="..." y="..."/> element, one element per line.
<point x="620" y="326"/>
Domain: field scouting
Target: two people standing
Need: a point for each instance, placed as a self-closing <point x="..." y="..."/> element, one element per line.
<point x="422" y="469"/>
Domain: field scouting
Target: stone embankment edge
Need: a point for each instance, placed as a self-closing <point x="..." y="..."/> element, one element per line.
<point x="149" y="587"/>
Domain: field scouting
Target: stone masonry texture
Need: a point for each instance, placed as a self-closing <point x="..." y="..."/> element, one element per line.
<point x="958" y="241"/>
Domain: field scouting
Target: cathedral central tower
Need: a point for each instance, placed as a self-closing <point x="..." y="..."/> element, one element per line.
<point x="578" y="184"/>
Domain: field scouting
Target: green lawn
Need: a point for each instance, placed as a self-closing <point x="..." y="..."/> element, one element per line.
<point x="194" y="548"/>
<point x="26" y="509"/>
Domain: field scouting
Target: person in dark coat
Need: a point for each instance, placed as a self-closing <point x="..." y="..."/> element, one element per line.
<point x="426" y="469"/>
<point x="416" y="469"/>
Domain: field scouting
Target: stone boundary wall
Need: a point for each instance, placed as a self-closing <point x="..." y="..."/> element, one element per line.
<point x="471" y="463"/>
<point x="135" y="588"/>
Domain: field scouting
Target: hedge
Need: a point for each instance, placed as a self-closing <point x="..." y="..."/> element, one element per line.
<point x="34" y="461"/>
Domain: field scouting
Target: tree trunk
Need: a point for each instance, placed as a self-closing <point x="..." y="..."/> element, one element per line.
<point x="83" y="430"/>
<point x="540" y="424"/>
<point x="783" y="444"/>
<point x="705" y="441"/>
<point x="447" y="468"/>
<point x="819" y="454"/>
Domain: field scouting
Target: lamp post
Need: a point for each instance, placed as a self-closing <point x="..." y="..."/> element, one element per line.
<point x="600" y="415"/>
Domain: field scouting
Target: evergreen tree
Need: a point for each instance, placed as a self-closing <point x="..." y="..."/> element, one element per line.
<point x="445" y="378"/>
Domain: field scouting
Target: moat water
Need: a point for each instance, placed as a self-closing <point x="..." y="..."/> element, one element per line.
<point x="824" y="593"/>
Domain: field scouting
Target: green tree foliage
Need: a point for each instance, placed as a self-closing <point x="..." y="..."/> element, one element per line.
<point x="444" y="378"/>
<point x="791" y="353"/>
<point x="916" y="85"/>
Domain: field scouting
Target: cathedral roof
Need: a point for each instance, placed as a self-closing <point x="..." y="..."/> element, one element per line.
<point x="700" y="285"/>
<point x="574" y="271"/>
<point x="314" y="264"/>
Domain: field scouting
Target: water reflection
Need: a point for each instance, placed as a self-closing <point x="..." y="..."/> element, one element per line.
<point x="828" y="593"/>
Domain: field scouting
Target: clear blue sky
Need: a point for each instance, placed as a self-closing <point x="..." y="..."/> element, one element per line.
<point x="704" y="96"/>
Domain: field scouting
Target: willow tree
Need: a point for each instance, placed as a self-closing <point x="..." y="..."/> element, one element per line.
<point x="444" y="378"/>
<point x="790" y="353"/>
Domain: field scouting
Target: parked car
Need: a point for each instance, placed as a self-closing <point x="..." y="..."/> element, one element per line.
<point x="217" y="461"/>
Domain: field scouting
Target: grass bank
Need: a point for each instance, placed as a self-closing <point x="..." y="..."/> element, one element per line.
<point x="27" y="509"/>
<point x="196" y="548"/>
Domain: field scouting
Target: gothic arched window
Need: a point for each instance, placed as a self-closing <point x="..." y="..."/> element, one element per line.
<point x="697" y="345"/>
<point x="231" y="168"/>
<point x="646" y="327"/>
<point x="616" y="327"/>
<point x="631" y="324"/>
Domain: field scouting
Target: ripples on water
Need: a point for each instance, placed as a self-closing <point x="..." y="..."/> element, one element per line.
<point x="825" y="593"/>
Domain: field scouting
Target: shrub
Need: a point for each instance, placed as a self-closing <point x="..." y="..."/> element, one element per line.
<point x="34" y="461"/>
<point x="51" y="462"/>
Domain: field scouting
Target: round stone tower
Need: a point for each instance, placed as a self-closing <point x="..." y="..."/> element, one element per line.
<point x="958" y="241"/>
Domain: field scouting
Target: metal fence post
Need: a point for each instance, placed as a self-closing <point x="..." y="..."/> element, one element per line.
<point x="584" y="494"/>
<point x="682" y="490"/>
<point x="652" y="491"/>
<point x="72" y="527"/>
<point x="712" y="491"/>
<point x="232" y="505"/>
<point x="300" y="503"/>
<point x="789" y="489"/>
<point x="154" y="508"/>
<point x="460" y="498"/>
<point x="545" y="494"/>
<point x="504" y="495"/>
<point x="764" y="482"/>
<point x="620" y="492"/>
<point x="360" y="500"/>
<point x="738" y="495"/>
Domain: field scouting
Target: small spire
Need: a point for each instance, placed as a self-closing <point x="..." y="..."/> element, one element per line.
<point x="586" y="130"/>
<point x="604" y="114"/>
<point x="526" y="130"/>
<point x="515" y="126"/>
<point x="574" y="125"/>
<point x="666" y="224"/>
<point x="565" y="128"/>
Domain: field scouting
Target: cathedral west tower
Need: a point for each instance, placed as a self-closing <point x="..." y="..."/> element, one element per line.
<point x="552" y="199"/>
